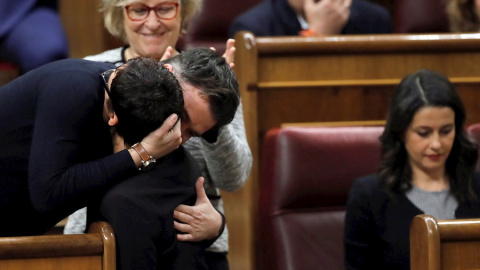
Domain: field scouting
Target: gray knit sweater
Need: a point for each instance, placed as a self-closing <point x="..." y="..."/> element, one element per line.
<point x="224" y="164"/>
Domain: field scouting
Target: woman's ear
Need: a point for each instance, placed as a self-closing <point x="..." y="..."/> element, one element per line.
<point x="112" y="120"/>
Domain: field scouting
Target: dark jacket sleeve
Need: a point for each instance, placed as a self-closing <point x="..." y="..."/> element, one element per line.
<point x="256" y="20"/>
<point x="71" y="154"/>
<point x="361" y="248"/>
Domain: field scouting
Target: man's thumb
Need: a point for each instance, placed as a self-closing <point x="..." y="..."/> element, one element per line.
<point x="201" y="195"/>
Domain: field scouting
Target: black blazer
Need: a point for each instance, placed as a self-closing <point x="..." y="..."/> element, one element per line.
<point x="377" y="228"/>
<point x="277" y="18"/>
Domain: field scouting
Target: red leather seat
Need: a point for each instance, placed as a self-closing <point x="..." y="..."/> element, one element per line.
<point x="8" y="72"/>
<point x="420" y="16"/>
<point x="306" y="173"/>
<point x="210" y="28"/>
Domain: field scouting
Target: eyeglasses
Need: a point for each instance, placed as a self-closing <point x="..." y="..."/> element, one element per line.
<point x="106" y="76"/>
<point x="164" y="11"/>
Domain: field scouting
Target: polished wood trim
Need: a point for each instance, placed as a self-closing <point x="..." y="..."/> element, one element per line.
<point x="336" y="124"/>
<point x="50" y="246"/>
<point x="424" y="243"/>
<point x="354" y="83"/>
<point x="108" y="237"/>
<point x="93" y="250"/>
<point x="444" y="244"/>
<point x="368" y="43"/>
<point x="459" y="229"/>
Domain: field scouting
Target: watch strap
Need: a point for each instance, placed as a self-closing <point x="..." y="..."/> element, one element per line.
<point x="144" y="156"/>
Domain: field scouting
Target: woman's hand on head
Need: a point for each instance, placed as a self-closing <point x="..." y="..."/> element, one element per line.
<point x="169" y="52"/>
<point x="164" y="139"/>
<point x="229" y="54"/>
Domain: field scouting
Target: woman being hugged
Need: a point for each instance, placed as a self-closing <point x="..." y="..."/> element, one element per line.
<point x="427" y="167"/>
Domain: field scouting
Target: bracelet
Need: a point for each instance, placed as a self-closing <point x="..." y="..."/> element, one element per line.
<point x="147" y="160"/>
<point x="307" y="33"/>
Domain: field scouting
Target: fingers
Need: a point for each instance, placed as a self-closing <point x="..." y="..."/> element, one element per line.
<point x="183" y="213"/>
<point x="229" y="54"/>
<point x="164" y="139"/>
<point x="185" y="237"/>
<point x="168" y="53"/>
<point x="230" y="43"/>
<point x="307" y="4"/>
<point x="327" y="17"/>
<point x="184" y="228"/>
<point x="201" y="195"/>
<point x="170" y="123"/>
<point x="177" y="127"/>
<point x="171" y="127"/>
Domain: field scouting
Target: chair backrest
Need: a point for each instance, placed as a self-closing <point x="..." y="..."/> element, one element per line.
<point x="444" y="244"/>
<point x="210" y="28"/>
<point x="474" y="132"/>
<point x="306" y="173"/>
<point x="93" y="250"/>
<point x="420" y="16"/>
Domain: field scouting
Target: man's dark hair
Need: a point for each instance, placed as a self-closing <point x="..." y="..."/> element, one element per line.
<point x="207" y="70"/>
<point x="144" y="94"/>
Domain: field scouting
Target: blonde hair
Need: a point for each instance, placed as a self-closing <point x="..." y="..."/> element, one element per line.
<point x="113" y="15"/>
<point x="463" y="16"/>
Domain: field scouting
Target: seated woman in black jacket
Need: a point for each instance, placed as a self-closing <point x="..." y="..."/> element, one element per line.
<point x="427" y="166"/>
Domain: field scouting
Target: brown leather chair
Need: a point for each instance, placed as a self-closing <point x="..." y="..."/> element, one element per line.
<point x="306" y="173"/>
<point x="210" y="28"/>
<point x="420" y="16"/>
<point x="444" y="244"/>
<point x="93" y="250"/>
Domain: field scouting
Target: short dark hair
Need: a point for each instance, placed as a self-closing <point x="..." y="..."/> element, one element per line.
<point x="207" y="70"/>
<point x="418" y="90"/>
<point x="144" y="94"/>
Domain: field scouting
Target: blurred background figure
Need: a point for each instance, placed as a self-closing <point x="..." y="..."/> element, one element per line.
<point x="31" y="33"/>
<point x="313" y="17"/>
<point x="463" y="15"/>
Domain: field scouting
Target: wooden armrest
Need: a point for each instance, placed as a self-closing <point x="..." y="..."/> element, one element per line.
<point x="95" y="250"/>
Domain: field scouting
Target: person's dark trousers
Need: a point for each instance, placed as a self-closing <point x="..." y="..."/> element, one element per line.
<point x="217" y="261"/>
